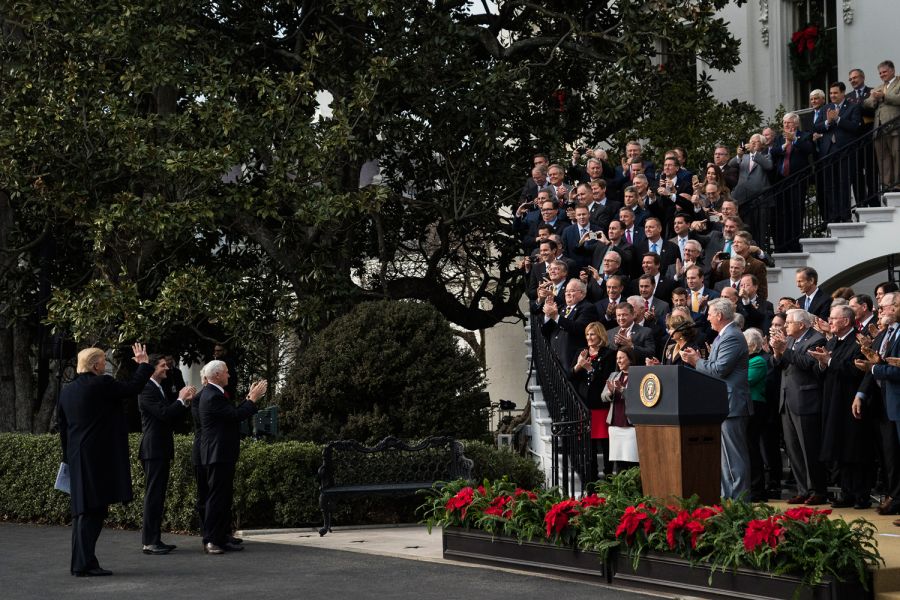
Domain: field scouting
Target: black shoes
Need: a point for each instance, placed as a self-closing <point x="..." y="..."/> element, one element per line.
<point x="235" y="541"/>
<point x="211" y="548"/>
<point x="157" y="549"/>
<point x="95" y="572"/>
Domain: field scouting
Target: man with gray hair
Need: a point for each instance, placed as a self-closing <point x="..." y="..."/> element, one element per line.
<point x="729" y="360"/>
<point x="800" y="404"/>
<point x="791" y="154"/>
<point x="847" y="437"/>
<point x="564" y="325"/>
<point x="220" y="444"/>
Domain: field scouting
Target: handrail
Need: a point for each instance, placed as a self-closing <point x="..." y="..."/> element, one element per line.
<point x="794" y="208"/>
<point x="571" y="419"/>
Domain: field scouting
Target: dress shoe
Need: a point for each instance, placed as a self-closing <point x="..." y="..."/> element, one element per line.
<point x="896" y="522"/>
<point x="211" y="548"/>
<point x="169" y="546"/>
<point x="95" y="572"/>
<point x="885" y="507"/>
<point x="816" y="500"/>
<point x="842" y="503"/>
<point x="798" y="499"/>
<point x="229" y="547"/>
<point x="156" y="549"/>
<point x="234" y="540"/>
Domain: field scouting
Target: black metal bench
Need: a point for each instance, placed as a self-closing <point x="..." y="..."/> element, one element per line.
<point x="392" y="467"/>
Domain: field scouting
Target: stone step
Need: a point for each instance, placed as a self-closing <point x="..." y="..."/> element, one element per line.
<point x="773" y="274"/>
<point x="892" y="199"/>
<point x="791" y="260"/>
<point x="876" y="214"/>
<point x="819" y="245"/>
<point x="846" y="230"/>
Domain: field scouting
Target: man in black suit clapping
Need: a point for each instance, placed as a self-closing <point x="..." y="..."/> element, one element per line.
<point x="220" y="445"/>
<point x="159" y="413"/>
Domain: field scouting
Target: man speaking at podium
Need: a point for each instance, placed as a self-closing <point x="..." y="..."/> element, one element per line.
<point x="728" y="360"/>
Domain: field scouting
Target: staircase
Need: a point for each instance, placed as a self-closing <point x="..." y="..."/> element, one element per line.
<point x="852" y="251"/>
<point x="541" y="446"/>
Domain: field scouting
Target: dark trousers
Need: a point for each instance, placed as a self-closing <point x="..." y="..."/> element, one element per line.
<point x="218" y="503"/>
<point x="156" y="474"/>
<point x="755" y="431"/>
<point x="889" y="450"/>
<point x="856" y="481"/>
<point x="789" y="217"/>
<point x="802" y="442"/>
<point x="86" y="529"/>
<point x="202" y="479"/>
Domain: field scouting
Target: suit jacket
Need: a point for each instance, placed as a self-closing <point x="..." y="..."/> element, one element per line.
<point x="752" y="182"/>
<point x="837" y="135"/>
<point x="754" y="267"/>
<point x="888" y="108"/>
<point x="590" y="384"/>
<point x="602" y="214"/>
<point x="821" y="304"/>
<point x="867" y="113"/>
<point x="802" y="150"/>
<point x="220" y="420"/>
<point x="668" y="252"/>
<point x="729" y="360"/>
<point x="158" y="417"/>
<point x="94" y="437"/>
<point x="625" y="250"/>
<point x="580" y="253"/>
<point x="801" y="389"/>
<point x="566" y="333"/>
<point x="529" y="241"/>
<point x="890" y="378"/>
<point x="641" y="339"/>
<point x="759" y="316"/>
<point x="608" y="321"/>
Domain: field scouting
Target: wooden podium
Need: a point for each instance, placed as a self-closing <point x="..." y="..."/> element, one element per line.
<point x="677" y="413"/>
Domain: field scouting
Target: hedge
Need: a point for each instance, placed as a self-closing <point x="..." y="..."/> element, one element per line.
<point x="275" y="485"/>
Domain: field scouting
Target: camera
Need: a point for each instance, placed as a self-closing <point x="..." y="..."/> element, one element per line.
<point x="571" y="204"/>
<point x="714" y="218"/>
<point x="723" y="256"/>
<point x="593" y="235"/>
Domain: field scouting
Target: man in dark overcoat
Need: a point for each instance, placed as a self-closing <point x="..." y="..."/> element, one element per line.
<point x="94" y="438"/>
<point x="847" y="438"/>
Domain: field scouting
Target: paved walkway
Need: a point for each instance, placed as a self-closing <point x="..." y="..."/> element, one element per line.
<point x="34" y="565"/>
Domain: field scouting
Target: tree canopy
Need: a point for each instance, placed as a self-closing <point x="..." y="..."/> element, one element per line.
<point x="183" y="172"/>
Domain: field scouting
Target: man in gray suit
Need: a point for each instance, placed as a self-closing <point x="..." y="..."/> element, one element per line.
<point x="631" y="335"/>
<point x="800" y="404"/>
<point x="728" y="360"/>
<point x="754" y="166"/>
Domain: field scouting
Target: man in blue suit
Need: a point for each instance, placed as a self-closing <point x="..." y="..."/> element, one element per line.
<point x="728" y="360"/>
<point x="791" y="154"/>
<point x="840" y="127"/>
<point x="887" y="374"/>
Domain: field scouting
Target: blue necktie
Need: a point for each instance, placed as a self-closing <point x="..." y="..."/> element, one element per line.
<point x="728" y="246"/>
<point x="653" y="247"/>
<point x="806" y="305"/>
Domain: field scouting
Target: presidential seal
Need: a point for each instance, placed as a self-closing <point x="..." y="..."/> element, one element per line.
<point x="650" y="390"/>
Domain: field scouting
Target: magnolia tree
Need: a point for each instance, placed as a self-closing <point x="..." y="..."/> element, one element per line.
<point x="167" y="171"/>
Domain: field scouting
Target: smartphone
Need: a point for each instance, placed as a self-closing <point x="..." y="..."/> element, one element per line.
<point x="713" y="218"/>
<point x="723" y="256"/>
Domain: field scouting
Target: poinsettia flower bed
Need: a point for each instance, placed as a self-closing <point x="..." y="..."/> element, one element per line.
<point x="615" y="517"/>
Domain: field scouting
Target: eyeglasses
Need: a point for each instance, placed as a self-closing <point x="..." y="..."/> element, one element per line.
<point x="547" y="209"/>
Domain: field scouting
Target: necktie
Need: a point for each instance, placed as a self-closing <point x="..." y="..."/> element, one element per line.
<point x="734" y="284"/>
<point x="695" y="301"/>
<point x="751" y="166"/>
<point x="653" y="247"/>
<point x="567" y="312"/>
<point x="581" y="233"/>
<point x="628" y="235"/>
<point x="681" y="244"/>
<point x="786" y="165"/>
<point x="886" y="342"/>
<point x="806" y="304"/>
<point x="728" y="246"/>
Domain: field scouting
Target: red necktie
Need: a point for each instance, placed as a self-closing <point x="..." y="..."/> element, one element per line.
<point x="628" y="235"/>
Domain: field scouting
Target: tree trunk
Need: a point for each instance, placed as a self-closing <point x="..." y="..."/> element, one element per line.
<point x="7" y="384"/>
<point x="46" y="410"/>
<point x="23" y="375"/>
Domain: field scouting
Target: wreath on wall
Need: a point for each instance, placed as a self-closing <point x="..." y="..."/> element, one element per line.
<point x="811" y="51"/>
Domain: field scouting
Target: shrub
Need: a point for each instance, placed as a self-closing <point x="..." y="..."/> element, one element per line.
<point x="385" y="368"/>
<point x="275" y="485"/>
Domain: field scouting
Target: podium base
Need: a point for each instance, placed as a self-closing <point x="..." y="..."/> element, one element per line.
<point x="681" y="460"/>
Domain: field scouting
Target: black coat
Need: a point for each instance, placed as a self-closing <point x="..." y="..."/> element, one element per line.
<point x="220" y="420"/>
<point x="158" y="417"/>
<point x="844" y="438"/>
<point x="566" y="334"/>
<point x="590" y="384"/>
<point x="94" y="436"/>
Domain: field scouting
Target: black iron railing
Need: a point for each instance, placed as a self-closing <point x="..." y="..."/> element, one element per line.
<point x="571" y="426"/>
<point x="802" y="204"/>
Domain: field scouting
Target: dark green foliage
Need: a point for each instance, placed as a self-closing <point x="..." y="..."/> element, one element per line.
<point x="385" y="368"/>
<point x="275" y="485"/>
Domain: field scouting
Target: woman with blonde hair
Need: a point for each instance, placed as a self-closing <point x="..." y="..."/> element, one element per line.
<point x="592" y="367"/>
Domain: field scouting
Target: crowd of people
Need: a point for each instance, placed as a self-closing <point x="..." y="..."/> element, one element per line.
<point x="94" y="437"/>
<point x="630" y="265"/>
